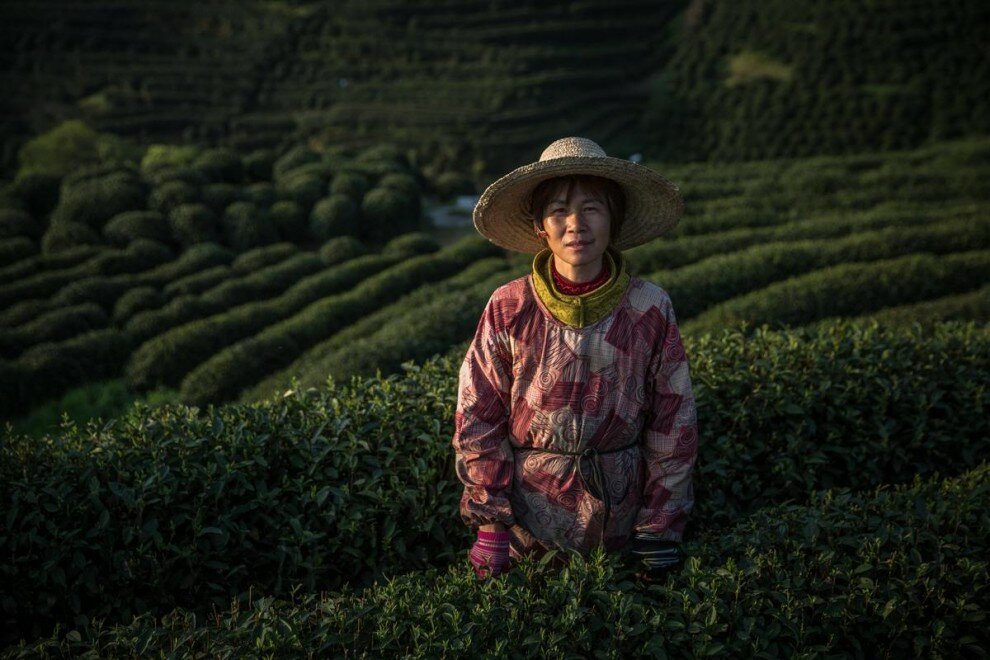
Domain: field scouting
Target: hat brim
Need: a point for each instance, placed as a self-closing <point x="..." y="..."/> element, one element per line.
<point x="654" y="204"/>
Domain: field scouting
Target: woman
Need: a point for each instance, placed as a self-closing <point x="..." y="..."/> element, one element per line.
<point x="575" y="424"/>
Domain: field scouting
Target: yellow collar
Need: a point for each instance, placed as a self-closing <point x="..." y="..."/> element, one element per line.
<point x="586" y="308"/>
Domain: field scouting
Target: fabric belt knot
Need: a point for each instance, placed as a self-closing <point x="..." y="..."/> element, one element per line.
<point x="590" y="454"/>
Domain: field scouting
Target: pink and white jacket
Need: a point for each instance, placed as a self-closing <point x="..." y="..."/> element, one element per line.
<point x="530" y="380"/>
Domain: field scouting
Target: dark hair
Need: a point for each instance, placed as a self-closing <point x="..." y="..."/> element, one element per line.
<point x="609" y="190"/>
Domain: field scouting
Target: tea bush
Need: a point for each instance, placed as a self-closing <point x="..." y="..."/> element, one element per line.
<point x="128" y="226"/>
<point x="55" y="325"/>
<point x="312" y="368"/>
<point x="851" y="288"/>
<point x="899" y="571"/>
<point x="337" y="215"/>
<point x="40" y="262"/>
<point x="16" y="249"/>
<point x="15" y="223"/>
<point x="703" y="284"/>
<point x="193" y="223"/>
<point x="351" y="482"/>
<point x="138" y="299"/>
<point x="47" y="370"/>
<point x="171" y="351"/>
<point x="226" y="373"/>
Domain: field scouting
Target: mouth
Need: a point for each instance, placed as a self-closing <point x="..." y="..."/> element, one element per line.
<point x="578" y="244"/>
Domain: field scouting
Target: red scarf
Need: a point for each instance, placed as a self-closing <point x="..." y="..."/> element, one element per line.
<point x="569" y="288"/>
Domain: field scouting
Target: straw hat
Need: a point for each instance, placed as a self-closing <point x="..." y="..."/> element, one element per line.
<point x="653" y="203"/>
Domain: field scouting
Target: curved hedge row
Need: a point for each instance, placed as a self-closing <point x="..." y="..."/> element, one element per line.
<point x="227" y="293"/>
<point x="320" y="487"/>
<point x="41" y="262"/>
<point x="196" y="258"/>
<point x="899" y="571"/>
<point x="400" y="319"/>
<point x="228" y="372"/>
<point x="716" y="279"/>
<point x="55" y="325"/>
<point x="45" y="371"/>
<point x="208" y="325"/>
<point x="849" y="289"/>
<point x="418" y="334"/>
<point x="969" y="306"/>
<point x="682" y="251"/>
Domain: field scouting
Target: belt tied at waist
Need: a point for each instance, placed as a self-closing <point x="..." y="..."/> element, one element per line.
<point x="597" y="476"/>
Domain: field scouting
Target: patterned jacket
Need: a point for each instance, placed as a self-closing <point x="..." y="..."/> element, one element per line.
<point x="531" y="381"/>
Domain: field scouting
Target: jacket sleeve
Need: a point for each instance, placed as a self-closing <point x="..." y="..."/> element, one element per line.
<point x="483" y="455"/>
<point x="670" y="440"/>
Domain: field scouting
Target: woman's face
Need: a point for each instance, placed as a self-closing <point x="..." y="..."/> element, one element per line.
<point x="578" y="231"/>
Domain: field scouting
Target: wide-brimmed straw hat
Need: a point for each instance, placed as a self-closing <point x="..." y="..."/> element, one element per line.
<point x="503" y="214"/>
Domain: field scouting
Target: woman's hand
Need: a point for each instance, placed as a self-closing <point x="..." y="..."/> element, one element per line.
<point x="656" y="557"/>
<point x="490" y="553"/>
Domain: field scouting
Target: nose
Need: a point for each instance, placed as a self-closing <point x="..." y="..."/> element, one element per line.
<point x="575" y="222"/>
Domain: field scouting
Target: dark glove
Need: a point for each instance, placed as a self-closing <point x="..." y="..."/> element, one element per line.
<point x="657" y="557"/>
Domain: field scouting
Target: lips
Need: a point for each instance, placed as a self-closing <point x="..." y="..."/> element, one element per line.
<point x="578" y="244"/>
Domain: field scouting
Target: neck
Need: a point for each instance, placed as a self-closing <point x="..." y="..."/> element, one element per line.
<point x="579" y="274"/>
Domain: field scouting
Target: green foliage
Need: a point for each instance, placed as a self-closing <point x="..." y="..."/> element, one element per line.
<point x="450" y="184"/>
<point x="305" y="190"/>
<point x="169" y="508"/>
<point x="258" y="165"/>
<point x="49" y="369"/>
<point x="388" y="212"/>
<point x="340" y="249"/>
<point x="69" y="146"/>
<point x="220" y="165"/>
<point x="218" y="196"/>
<point x="192" y="224"/>
<point x="294" y="157"/>
<point x="58" y="324"/>
<point x="262" y="257"/>
<point x="93" y="201"/>
<point x="39" y="192"/>
<point x="13" y="250"/>
<point x="67" y="235"/>
<point x="415" y="242"/>
<point x="333" y="216"/>
<point x="170" y="195"/>
<point x="129" y="226"/>
<point x="226" y="373"/>
<point x="719" y="278"/>
<point x="212" y="325"/>
<point x="261" y="193"/>
<point x="849" y="289"/>
<point x="289" y="220"/>
<point x="161" y="156"/>
<point x="245" y="226"/>
<point x="352" y="184"/>
<point x="14" y="223"/>
<point x="133" y="301"/>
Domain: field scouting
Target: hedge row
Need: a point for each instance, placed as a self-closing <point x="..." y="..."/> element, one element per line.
<point x="892" y="572"/>
<point x="141" y="255"/>
<point x="46" y="371"/>
<point x="677" y="253"/>
<point x="345" y="483"/>
<point x="55" y="325"/>
<point x="972" y="305"/>
<point x="416" y="335"/>
<point x="208" y="325"/>
<point x="414" y="327"/>
<point x="195" y="258"/>
<point x="849" y="289"/>
<point x="227" y="373"/>
<point x="212" y="291"/>
<point x="719" y="278"/>
<point x="42" y="262"/>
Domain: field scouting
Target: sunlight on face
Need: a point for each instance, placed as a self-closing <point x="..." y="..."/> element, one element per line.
<point x="578" y="233"/>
